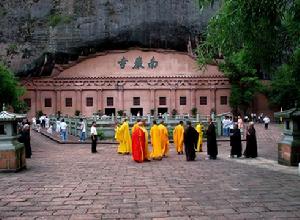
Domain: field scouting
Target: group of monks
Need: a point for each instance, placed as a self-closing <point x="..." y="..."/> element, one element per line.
<point x="137" y="142"/>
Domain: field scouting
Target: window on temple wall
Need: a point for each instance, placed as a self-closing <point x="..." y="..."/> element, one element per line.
<point x="48" y="102"/>
<point x="68" y="102"/>
<point x="89" y="101"/>
<point x="223" y="100"/>
<point x="182" y="100"/>
<point x="28" y="102"/>
<point x="109" y="101"/>
<point x="203" y="100"/>
<point x="136" y="100"/>
<point x="162" y="101"/>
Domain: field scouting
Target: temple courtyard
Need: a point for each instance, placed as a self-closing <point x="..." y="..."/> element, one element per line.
<point x="66" y="181"/>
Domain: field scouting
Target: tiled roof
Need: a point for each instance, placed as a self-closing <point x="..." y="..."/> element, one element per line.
<point x="7" y="116"/>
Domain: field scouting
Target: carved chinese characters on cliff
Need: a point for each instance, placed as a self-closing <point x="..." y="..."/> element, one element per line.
<point x="122" y="62"/>
<point x="153" y="63"/>
<point x="138" y="63"/>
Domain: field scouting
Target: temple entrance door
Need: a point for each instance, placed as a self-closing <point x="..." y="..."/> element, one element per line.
<point x="110" y="111"/>
<point x="135" y="111"/>
<point x="162" y="110"/>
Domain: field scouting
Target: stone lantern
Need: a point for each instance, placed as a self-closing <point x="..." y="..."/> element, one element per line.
<point x="12" y="152"/>
<point x="289" y="146"/>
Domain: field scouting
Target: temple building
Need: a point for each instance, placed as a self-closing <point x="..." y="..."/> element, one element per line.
<point x="136" y="81"/>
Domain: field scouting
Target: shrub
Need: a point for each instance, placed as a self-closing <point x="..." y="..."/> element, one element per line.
<point x="194" y="111"/>
<point x="39" y="113"/>
<point x="120" y="112"/>
<point x="174" y="112"/>
<point x="56" y="19"/>
<point x="100" y="134"/>
<point x="77" y="112"/>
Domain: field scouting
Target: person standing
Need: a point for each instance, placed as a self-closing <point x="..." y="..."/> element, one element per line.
<point x="63" y="130"/>
<point x="156" y="153"/>
<point x="135" y="125"/>
<point x="147" y="153"/>
<point x="190" y="141"/>
<point x="212" y="148"/>
<point x="94" y="137"/>
<point x="178" y="135"/>
<point x="200" y="137"/>
<point x="47" y="122"/>
<point x="26" y="140"/>
<point x="164" y="138"/>
<point x="138" y="144"/>
<point x="124" y="138"/>
<point x="38" y="125"/>
<point x="266" y="121"/>
<point x="240" y="124"/>
<point x="82" y="130"/>
<point x="251" y="143"/>
<point x="225" y="123"/>
<point x="236" y="142"/>
<point x="57" y="126"/>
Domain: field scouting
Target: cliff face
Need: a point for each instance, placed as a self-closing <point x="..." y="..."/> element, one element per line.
<point x="35" y="34"/>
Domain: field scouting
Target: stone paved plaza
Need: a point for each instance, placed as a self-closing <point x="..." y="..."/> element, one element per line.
<point x="68" y="182"/>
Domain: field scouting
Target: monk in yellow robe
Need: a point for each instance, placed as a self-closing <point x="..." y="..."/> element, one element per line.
<point x="123" y="135"/>
<point x="117" y="133"/>
<point x="200" y="138"/>
<point x="178" y="135"/>
<point x="164" y="139"/>
<point x="156" y="153"/>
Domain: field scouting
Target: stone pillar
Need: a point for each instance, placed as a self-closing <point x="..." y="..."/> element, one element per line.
<point x="58" y="101"/>
<point x="99" y="100"/>
<point x="213" y="98"/>
<point x="173" y="100"/>
<point x="38" y="106"/>
<point x="79" y="100"/>
<point x="121" y="99"/>
<point x="193" y="98"/>
<point x="152" y="99"/>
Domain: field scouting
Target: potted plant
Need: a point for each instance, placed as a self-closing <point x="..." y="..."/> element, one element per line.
<point x="194" y="111"/>
<point x="174" y="113"/>
<point x="152" y="111"/>
<point x="120" y="112"/>
<point x="77" y="112"/>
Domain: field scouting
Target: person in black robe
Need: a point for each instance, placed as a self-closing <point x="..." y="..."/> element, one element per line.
<point x="236" y="142"/>
<point x="190" y="140"/>
<point x="212" y="148"/>
<point x="251" y="143"/>
<point x="25" y="134"/>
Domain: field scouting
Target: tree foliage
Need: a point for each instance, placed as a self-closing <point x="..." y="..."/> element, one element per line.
<point x="285" y="89"/>
<point x="10" y="90"/>
<point x="254" y="39"/>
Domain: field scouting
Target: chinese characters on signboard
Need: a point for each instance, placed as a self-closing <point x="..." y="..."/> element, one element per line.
<point x="138" y="63"/>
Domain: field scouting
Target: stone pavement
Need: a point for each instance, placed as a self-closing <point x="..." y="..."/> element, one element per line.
<point x="68" y="182"/>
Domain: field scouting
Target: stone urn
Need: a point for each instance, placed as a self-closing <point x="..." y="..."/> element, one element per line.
<point x="289" y="146"/>
<point x="12" y="152"/>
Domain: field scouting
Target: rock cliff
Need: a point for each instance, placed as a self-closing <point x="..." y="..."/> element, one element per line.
<point x="36" y="34"/>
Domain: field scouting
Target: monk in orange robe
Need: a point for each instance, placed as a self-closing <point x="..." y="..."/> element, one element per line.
<point x="139" y="153"/>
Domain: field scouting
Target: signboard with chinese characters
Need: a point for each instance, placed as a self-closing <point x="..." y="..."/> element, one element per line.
<point x="138" y="63"/>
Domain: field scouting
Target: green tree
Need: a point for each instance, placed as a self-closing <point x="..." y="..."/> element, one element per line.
<point x="285" y="91"/>
<point x="253" y="39"/>
<point x="11" y="90"/>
